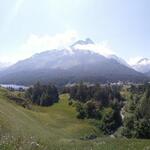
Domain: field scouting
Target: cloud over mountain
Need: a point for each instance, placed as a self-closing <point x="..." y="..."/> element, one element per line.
<point x="102" y="48"/>
<point x="38" y="43"/>
<point x="35" y="43"/>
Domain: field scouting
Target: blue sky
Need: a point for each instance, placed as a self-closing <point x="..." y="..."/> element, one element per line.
<point x="30" y="26"/>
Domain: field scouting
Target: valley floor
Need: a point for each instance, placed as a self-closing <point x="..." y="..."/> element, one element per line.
<point x="53" y="128"/>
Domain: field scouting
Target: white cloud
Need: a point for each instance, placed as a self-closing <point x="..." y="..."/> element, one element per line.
<point x="102" y="48"/>
<point x="39" y="43"/>
<point x="8" y="58"/>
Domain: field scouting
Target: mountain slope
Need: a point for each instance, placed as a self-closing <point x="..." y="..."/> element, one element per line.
<point x="4" y="65"/>
<point x="54" y="124"/>
<point x="119" y="60"/>
<point x="69" y="65"/>
<point x="148" y="74"/>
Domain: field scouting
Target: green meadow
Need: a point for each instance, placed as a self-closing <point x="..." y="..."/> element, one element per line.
<point x="54" y="128"/>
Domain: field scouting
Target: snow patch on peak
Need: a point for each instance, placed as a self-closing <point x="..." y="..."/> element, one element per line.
<point x="102" y="48"/>
<point x="68" y="51"/>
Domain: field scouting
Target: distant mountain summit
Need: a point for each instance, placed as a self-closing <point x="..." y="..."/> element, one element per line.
<point x="143" y="61"/>
<point x="63" y="66"/>
<point x="143" y="65"/>
<point x="83" y="42"/>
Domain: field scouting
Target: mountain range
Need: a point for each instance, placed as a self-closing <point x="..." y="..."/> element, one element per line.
<point x="62" y="66"/>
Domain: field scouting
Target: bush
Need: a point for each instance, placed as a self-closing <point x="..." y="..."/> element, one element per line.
<point x="81" y="113"/>
<point x="70" y="103"/>
<point x="110" y="122"/>
<point x="142" y="128"/>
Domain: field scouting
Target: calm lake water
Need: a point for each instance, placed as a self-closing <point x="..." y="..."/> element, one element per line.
<point x="14" y="86"/>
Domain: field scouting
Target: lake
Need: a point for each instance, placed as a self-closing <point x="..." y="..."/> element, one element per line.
<point x="14" y="86"/>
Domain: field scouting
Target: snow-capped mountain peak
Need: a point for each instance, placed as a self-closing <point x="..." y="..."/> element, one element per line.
<point x="144" y="61"/>
<point x="143" y="65"/>
<point x="82" y="42"/>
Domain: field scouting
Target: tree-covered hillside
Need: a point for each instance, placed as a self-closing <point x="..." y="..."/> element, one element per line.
<point x="58" y="127"/>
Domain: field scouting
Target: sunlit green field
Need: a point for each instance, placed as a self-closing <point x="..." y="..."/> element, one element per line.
<point x="53" y="128"/>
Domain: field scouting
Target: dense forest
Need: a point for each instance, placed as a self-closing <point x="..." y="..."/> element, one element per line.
<point x="102" y="103"/>
<point x="137" y="112"/>
<point x="44" y="95"/>
<point x="107" y="103"/>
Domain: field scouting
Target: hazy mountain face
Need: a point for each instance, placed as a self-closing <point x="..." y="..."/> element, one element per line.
<point x="4" y="65"/>
<point x="143" y="65"/>
<point x="70" y="65"/>
<point x="119" y="60"/>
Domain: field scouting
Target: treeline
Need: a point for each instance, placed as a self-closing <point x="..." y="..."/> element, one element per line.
<point x="102" y="94"/>
<point x="102" y="103"/>
<point x="44" y="95"/>
<point x="137" y="112"/>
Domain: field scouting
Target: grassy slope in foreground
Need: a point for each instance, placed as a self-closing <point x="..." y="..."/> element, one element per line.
<point x="54" y="127"/>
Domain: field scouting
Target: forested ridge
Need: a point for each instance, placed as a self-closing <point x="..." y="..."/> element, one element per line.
<point x="105" y="104"/>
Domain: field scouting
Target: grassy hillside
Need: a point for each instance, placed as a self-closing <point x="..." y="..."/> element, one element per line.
<point x="53" y="128"/>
